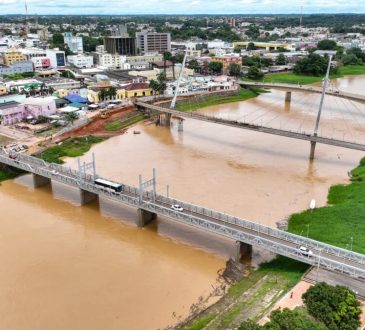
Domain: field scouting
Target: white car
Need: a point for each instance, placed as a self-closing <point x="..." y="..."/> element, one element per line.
<point x="305" y="251"/>
<point x="177" y="207"/>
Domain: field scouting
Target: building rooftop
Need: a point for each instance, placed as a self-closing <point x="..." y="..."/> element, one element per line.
<point x="38" y="100"/>
<point x="7" y="105"/>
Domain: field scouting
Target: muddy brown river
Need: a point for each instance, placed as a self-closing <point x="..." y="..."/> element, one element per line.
<point x="71" y="267"/>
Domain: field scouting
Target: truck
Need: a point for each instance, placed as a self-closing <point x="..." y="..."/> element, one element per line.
<point x="105" y="114"/>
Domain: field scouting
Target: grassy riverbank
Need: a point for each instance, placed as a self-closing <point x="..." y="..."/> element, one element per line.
<point x="73" y="147"/>
<point x="9" y="173"/>
<point x="342" y="222"/>
<point x="124" y="123"/>
<point x="252" y="296"/>
<point x="197" y="103"/>
<point x="292" y="78"/>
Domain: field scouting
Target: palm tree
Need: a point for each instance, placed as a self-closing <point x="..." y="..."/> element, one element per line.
<point x="102" y="94"/>
<point x="112" y="92"/>
<point x="71" y="117"/>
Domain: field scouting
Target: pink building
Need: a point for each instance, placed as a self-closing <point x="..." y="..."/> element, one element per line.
<point x="39" y="106"/>
<point x="11" y="112"/>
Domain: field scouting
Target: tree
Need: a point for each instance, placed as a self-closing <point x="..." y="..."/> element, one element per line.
<point x="251" y="61"/>
<point x="111" y="92"/>
<point x="313" y="64"/>
<point x="266" y="61"/>
<point x="102" y="94"/>
<point x="251" y="46"/>
<point x="255" y="73"/>
<point x="237" y="50"/>
<point x="57" y="39"/>
<point x="253" y="32"/>
<point x="336" y="306"/>
<point x="351" y="59"/>
<point x="215" y="67"/>
<point x="281" y="59"/>
<point x="327" y="45"/>
<point x="71" y="117"/>
<point x="234" y="69"/>
<point x="154" y="85"/>
<point x="249" y="325"/>
<point x="194" y="64"/>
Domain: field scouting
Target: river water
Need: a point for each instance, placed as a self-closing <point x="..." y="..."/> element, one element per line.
<point x="89" y="267"/>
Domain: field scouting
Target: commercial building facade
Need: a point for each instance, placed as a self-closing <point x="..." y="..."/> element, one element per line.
<point x="17" y="67"/>
<point x="73" y="42"/>
<point x="12" y="55"/>
<point x="153" y="42"/>
<point x="120" y="45"/>
<point x="81" y="61"/>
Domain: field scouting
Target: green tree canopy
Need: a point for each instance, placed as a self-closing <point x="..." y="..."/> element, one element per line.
<point x="281" y="59"/>
<point x="193" y="64"/>
<point x="215" y="67"/>
<point x="313" y="64"/>
<point x="336" y="306"/>
<point x="234" y="69"/>
<point x="253" y="32"/>
<point x="327" y="45"/>
<point x="255" y="73"/>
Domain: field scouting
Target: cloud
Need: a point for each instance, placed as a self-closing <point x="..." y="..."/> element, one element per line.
<point x="125" y="7"/>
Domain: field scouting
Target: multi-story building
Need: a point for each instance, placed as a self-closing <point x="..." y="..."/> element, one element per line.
<point x="50" y="58"/>
<point x="153" y="42"/>
<point x="13" y="55"/>
<point x="120" y="45"/>
<point x="73" y="42"/>
<point x="81" y="61"/>
<point x="11" y="112"/>
<point x="151" y="57"/>
<point x="56" y="57"/>
<point x="16" y="67"/>
<point x="107" y="60"/>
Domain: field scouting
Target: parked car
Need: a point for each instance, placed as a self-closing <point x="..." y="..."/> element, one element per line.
<point x="305" y="251"/>
<point x="177" y="207"/>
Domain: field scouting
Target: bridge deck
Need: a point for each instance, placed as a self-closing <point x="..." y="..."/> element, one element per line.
<point x="305" y="88"/>
<point x="277" y="241"/>
<point x="256" y="128"/>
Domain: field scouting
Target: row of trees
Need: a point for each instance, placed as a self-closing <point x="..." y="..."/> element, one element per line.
<point x="109" y="93"/>
<point x="327" y="308"/>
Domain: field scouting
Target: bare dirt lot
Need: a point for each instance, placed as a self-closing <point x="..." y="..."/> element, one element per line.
<point x="97" y="125"/>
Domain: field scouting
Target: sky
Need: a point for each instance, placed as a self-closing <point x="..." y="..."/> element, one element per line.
<point x="125" y="7"/>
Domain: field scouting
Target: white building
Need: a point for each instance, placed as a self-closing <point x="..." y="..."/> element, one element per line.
<point x="107" y="60"/>
<point x="73" y="42"/>
<point x="81" y="61"/>
<point x="57" y="58"/>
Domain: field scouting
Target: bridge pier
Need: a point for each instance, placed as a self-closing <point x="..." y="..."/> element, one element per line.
<point x="313" y="148"/>
<point x="87" y="197"/>
<point x="144" y="217"/>
<point x="40" y="181"/>
<point x="180" y="126"/>
<point x="242" y="249"/>
<point x="288" y="97"/>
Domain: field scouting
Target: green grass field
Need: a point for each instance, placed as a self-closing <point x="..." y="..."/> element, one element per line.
<point x="292" y="78"/>
<point x="194" y="104"/>
<point x="121" y="124"/>
<point x="342" y="222"/>
<point x="74" y="147"/>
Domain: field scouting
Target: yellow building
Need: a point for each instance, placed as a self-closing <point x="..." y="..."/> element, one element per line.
<point x="138" y="89"/>
<point x="263" y="45"/>
<point x="3" y="90"/>
<point x="13" y="55"/>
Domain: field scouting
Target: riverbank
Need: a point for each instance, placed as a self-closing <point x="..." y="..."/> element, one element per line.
<point x="251" y="297"/>
<point x="292" y="78"/>
<point x="121" y="124"/>
<point x="73" y="147"/>
<point x="342" y="221"/>
<point x="198" y="103"/>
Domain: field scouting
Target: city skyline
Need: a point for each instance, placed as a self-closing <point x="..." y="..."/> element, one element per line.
<point x="126" y="7"/>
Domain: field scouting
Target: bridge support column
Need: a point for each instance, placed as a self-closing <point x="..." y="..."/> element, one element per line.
<point x="144" y="217"/>
<point x="288" y="97"/>
<point x="241" y="250"/>
<point x="180" y="126"/>
<point x="168" y="119"/>
<point x="40" y="181"/>
<point x="313" y="148"/>
<point x="87" y="197"/>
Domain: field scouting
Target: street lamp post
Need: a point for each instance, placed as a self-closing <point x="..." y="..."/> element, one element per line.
<point x="352" y="240"/>
<point x="308" y="230"/>
<point x="319" y="261"/>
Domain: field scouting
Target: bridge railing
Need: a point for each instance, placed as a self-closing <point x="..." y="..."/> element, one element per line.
<point x="254" y="233"/>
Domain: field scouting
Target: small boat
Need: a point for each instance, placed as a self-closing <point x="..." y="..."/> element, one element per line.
<point x="312" y="204"/>
<point x="136" y="132"/>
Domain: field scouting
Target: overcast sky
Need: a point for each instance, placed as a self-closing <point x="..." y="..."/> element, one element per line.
<point x="78" y="7"/>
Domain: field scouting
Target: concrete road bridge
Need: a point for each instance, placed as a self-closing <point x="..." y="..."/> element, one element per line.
<point x="312" y="138"/>
<point x="289" y="88"/>
<point x="149" y="204"/>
